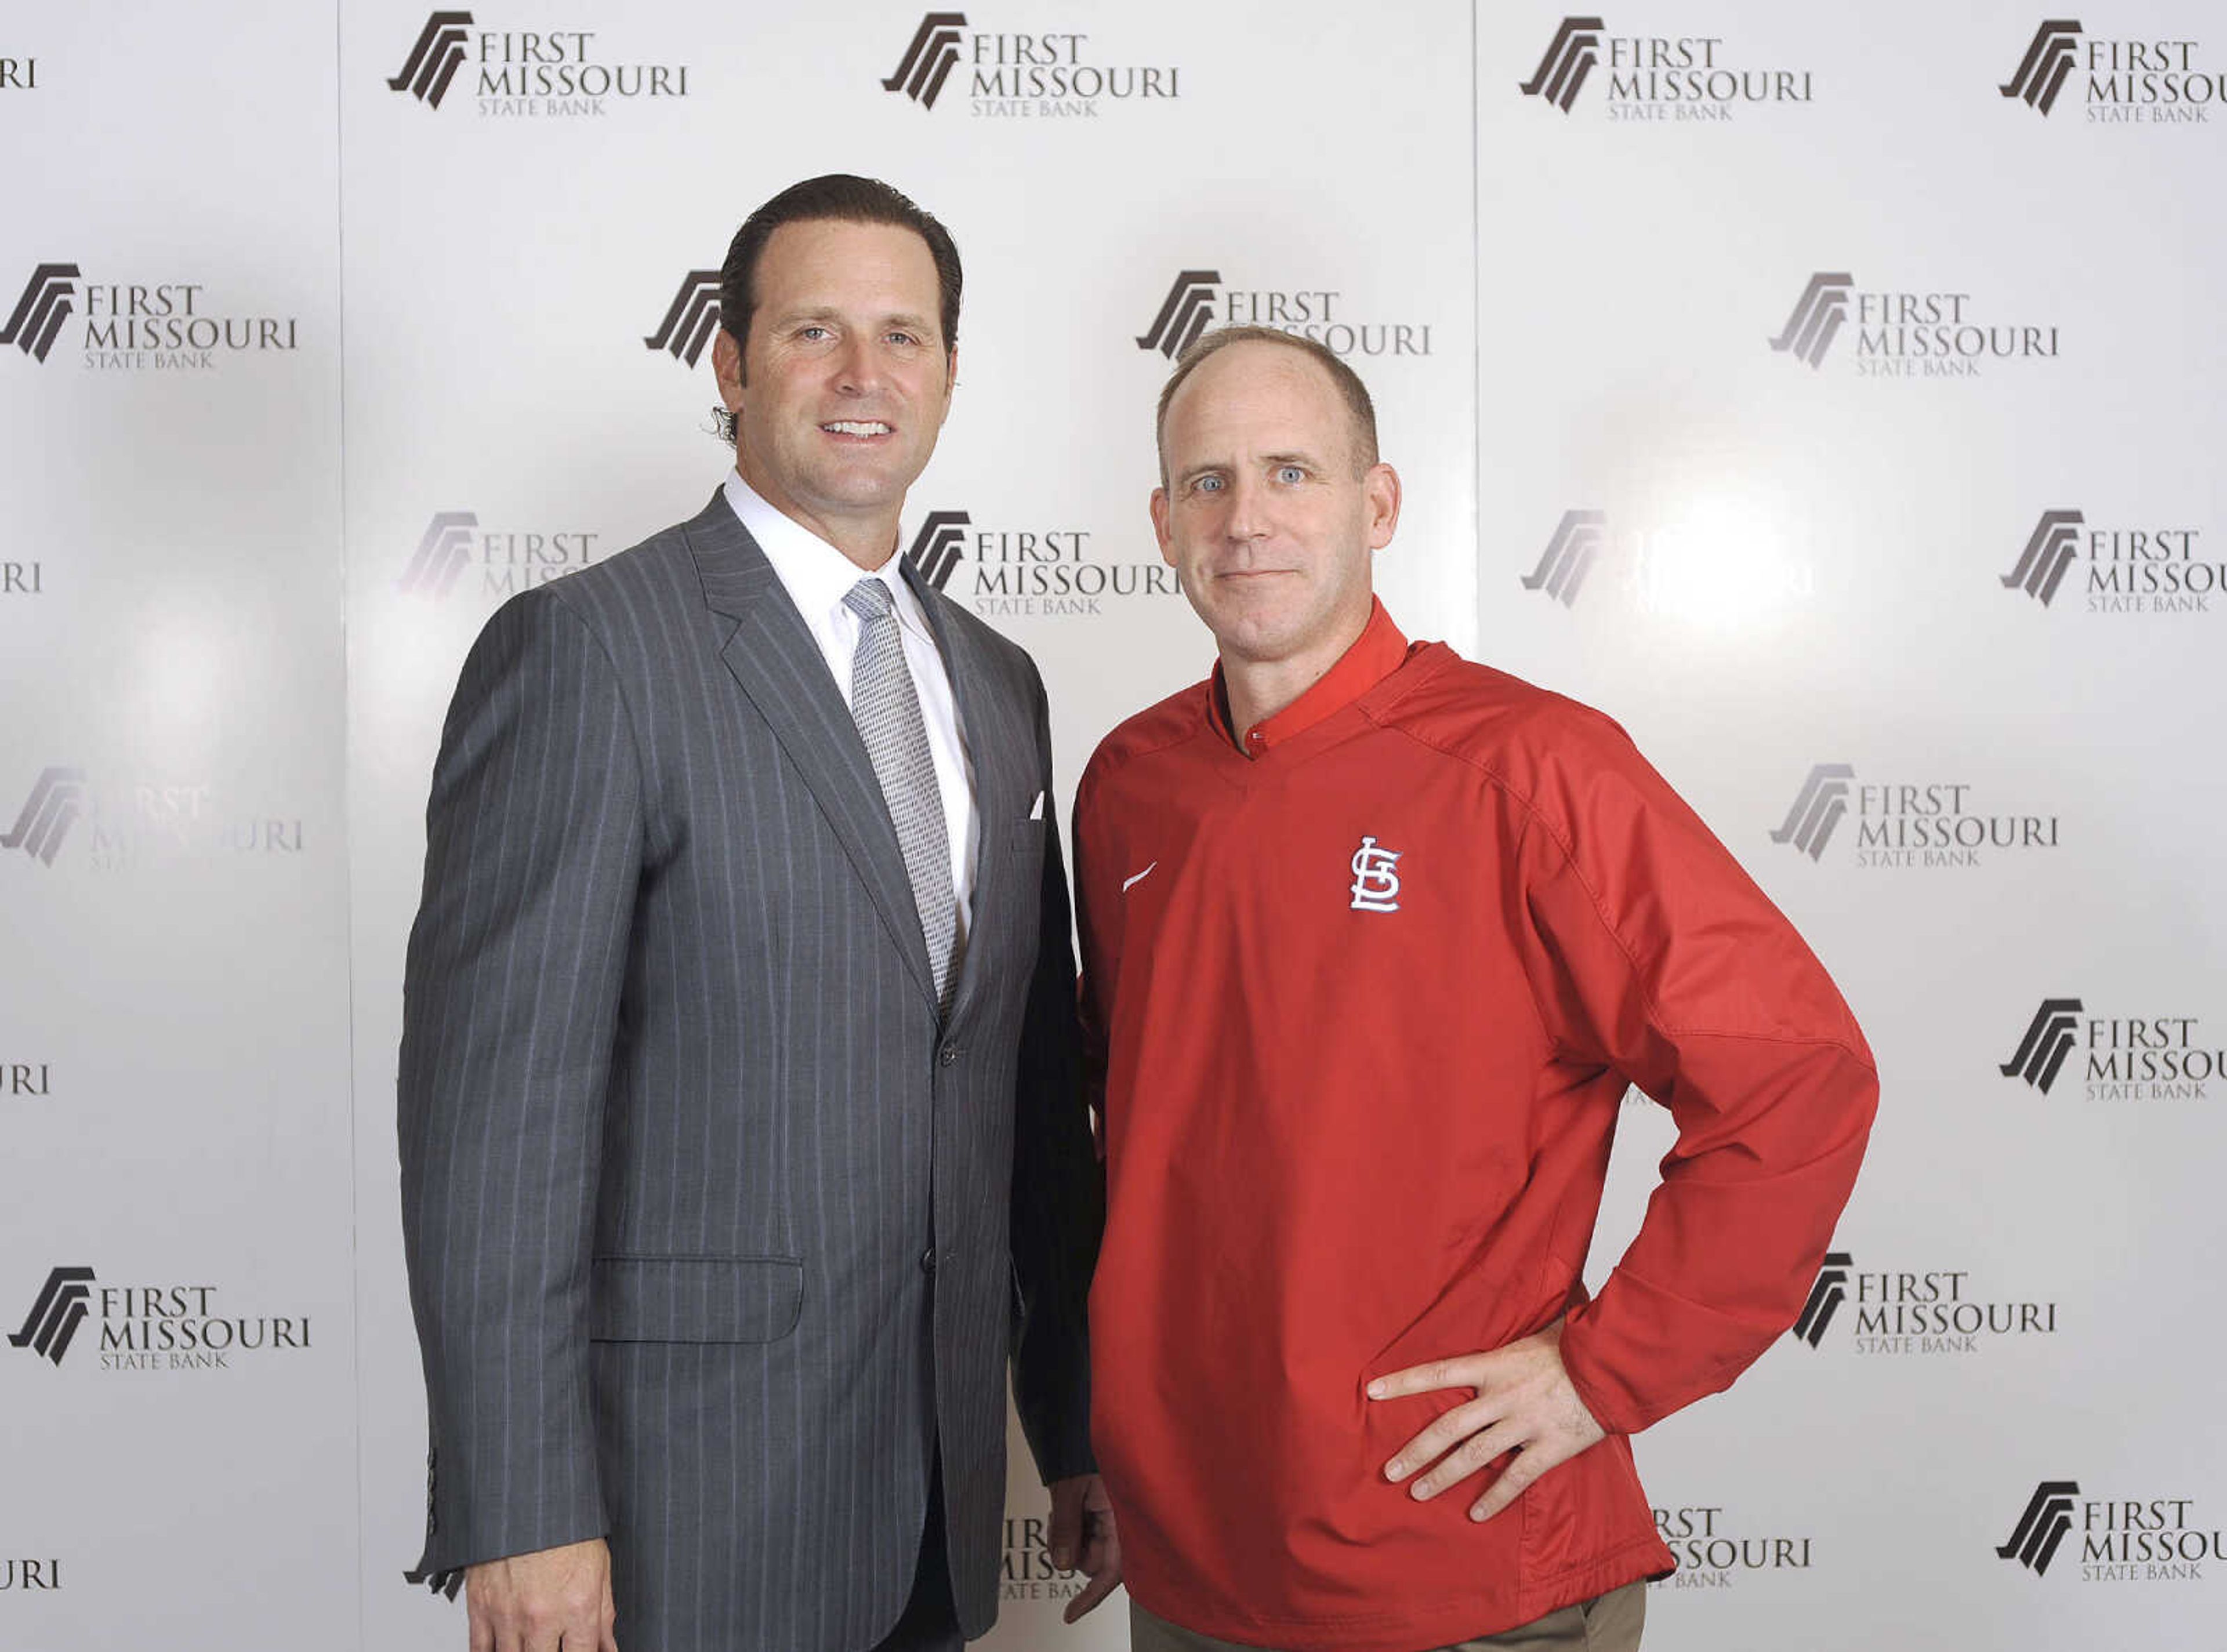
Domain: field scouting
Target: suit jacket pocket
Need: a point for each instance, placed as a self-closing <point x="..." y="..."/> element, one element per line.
<point x="695" y="1298"/>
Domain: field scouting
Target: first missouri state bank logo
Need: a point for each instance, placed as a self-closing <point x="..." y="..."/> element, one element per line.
<point x="527" y="74"/>
<point x="1914" y="1310"/>
<point x="1657" y="77"/>
<point x="2149" y="81"/>
<point x="1676" y="570"/>
<point x="2121" y="1540"/>
<point x="1198" y="299"/>
<point x="159" y="326"/>
<point x="1048" y="75"/>
<point x="507" y="560"/>
<point x="2124" y="568"/>
<point x="1007" y="570"/>
<point x="1928" y="823"/>
<point x="1906" y="332"/>
<point x="149" y="1327"/>
<point x="146" y="824"/>
<point x="2125" y="1057"/>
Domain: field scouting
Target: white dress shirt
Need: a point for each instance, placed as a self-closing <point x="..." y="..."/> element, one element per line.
<point x="817" y="578"/>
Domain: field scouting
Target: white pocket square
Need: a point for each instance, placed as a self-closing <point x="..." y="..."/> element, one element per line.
<point x="1036" y="809"/>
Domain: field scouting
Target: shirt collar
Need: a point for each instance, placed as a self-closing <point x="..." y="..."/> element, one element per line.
<point x="1374" y="656"/>
<point x="815" y="574"/>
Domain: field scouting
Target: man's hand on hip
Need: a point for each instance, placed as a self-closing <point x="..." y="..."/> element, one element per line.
<point x="552" y="1600"/>
<point x="1083" y="1538"/>
<point x="1525" y="1404"/>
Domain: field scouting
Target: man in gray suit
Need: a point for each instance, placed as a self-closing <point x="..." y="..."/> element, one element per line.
<point x="738" y="1051"/>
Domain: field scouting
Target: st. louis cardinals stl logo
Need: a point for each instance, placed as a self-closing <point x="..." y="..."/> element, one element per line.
<point x="1375" y="881"/>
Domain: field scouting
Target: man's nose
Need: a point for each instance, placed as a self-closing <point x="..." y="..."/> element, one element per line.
<point x="858" y="365"/>
<point x="1247" y="516"/>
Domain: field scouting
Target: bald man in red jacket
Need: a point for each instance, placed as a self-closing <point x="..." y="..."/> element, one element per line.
<point x="1374" y="939"/>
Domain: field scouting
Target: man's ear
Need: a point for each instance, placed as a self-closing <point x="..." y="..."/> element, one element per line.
<point x="1379" y="486"/>
<point x="1160" y="509"/>
<point x="727" y="368"/>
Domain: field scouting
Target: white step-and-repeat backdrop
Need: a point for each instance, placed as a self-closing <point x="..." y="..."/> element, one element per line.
<point x="1833" y="395"/>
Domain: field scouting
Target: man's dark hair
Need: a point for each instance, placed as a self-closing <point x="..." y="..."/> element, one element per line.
<point x="1360" y="411"/>
<point x="846" y="198"/>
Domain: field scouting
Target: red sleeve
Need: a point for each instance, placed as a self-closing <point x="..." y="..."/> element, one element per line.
<point x="1650" y="952"/>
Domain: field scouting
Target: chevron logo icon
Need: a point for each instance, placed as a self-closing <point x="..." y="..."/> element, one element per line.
<point x="444" y="552"/>
<point x="56" y="1315"/>
<point x="2048" y="553"/>
<point x="2047" y="1518"/>
<point x="694" y="315"/>
<point x="1826" y="1294"/>
<point x="1561" y="74"/>
<point x="935" y="549"/>
<point x="1809" y="330"/>
<point x="2049" y="1038"/>
<point x="434" y="61"/>
<point x="1184" y="313"/>
<point x="40" y="312"/>
<point x="927" y="63"/>
<point x="56" y="802"/>
<point x="2041" y="72"/>
<point x="1561" y="572"/>
<point x="1817" y="809"/>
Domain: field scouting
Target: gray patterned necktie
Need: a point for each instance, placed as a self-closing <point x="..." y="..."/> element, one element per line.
<point x="887" y="709"/>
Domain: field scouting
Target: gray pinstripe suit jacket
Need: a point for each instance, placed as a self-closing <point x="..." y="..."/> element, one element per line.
<point x="707" y="1217"/>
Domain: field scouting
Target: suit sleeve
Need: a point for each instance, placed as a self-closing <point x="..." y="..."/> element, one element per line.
<point x="511" y="996"/>
<point x="1650" y="952"/>
<point x="1098" y="925"/>
<point x="1059" y="1190"/>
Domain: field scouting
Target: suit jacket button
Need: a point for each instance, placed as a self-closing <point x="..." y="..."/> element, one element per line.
<point x="928" y="1260"/>
<point x="948" y="1054"/>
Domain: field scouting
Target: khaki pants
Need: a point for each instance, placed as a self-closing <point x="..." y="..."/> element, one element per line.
<point x="1609" y="1623"/>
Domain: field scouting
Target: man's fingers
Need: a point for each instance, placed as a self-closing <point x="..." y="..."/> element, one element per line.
<point x="1066" y="1521"/>
<point x="1507" y="1488"/>
<point x="1466" y="1372"/>
<point x="1095" y="1590"/>
<point x="1436" y="1441"/>
<point x="1468" y="1458"/>
<point x="1094" y="1551"/>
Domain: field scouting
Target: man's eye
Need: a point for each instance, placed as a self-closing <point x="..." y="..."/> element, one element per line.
<point x="901" y="338"/>
<point x="813" y="332"/>
<point x="1290" y="473"/>
<point x="1206" y="485"/>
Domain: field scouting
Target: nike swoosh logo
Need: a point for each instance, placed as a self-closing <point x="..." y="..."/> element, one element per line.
<point x="1127" y="883"/>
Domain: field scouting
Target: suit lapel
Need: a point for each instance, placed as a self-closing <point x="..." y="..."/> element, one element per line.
<point x="1001" y="745"/>
<point x="776" y="663"/>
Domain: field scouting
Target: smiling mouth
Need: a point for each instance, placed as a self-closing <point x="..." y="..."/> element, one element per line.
<point x="857" y="427"/>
